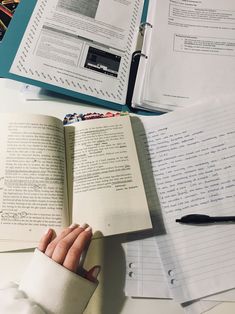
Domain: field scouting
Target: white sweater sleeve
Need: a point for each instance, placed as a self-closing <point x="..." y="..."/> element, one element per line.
<point x="46" y="287"/>
<point x="14" y="301"/>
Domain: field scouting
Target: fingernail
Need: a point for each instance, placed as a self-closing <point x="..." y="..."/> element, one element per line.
<point x="88" y="229"/>
<point x="96" y="271"/>
<point x="73" y="226"/>
<point x="84" y="226"/>
<point x="47" y="231"/>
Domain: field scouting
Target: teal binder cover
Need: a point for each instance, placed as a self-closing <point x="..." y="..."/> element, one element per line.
<point x="145" y="11"/>
<point x="12" y="40"/>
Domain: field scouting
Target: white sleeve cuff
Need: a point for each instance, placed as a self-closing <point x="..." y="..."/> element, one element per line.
<point x="55" y="288"/>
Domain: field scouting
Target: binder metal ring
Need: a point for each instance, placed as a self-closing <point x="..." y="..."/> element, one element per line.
<point x="140" y="54"/>
<point x="143" y="26"/>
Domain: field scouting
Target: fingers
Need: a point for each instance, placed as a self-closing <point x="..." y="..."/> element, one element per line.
<point x="63" y="246"/>
<point x="45" y="240"/>
<point x="73" y="256"/>
<point x="68" y="247"/>
<point x="52" y="245"/>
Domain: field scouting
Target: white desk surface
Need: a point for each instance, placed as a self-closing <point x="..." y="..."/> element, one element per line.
<point x="109" y="298"/>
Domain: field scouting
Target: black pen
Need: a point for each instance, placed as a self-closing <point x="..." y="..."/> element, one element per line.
<point x="204" y="219"/>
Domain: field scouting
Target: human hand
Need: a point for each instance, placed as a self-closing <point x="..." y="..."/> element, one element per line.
<point x="67" y="248"/>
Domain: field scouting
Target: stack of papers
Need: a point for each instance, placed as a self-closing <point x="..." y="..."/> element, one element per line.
<point x="79" y="49"/>
<point x="187" y="50"/>
<point x="187" y="159"/>
<point x="145" y="277"/>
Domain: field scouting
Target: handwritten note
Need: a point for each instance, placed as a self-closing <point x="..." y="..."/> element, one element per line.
<point x="189" y="155"/>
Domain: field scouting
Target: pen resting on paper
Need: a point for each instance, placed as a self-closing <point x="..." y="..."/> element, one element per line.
<point x="205" y="219"/>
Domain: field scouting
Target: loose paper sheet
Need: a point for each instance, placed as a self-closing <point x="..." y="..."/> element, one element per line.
<point x="190" y="157"/>
<point x="191" y="57"/>
<point x="144" y="272"/>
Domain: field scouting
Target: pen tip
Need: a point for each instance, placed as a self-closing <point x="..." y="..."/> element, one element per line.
<point x="178" y="220"/>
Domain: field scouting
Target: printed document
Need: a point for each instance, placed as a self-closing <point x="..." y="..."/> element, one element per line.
<point x="84" y="46"/>
<point x="191" y="58"/>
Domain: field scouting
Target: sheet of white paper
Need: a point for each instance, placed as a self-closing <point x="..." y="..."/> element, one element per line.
<point x="200" y="307"/>
<point x="82" y="46"/>
<point x="6" y="246"/>
<point x="145" y="277"/>
<point x="191" y="57"/>
<point x="190" y="155"/>
<point x="30" y="92"/>
<point x="144" y="272"/>
<point x="228" y="296"/>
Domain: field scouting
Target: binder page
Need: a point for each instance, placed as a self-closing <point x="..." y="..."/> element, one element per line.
<point x="84" y="45"/>
<point x="190" y="161"/>
<point x="192" y="55"/>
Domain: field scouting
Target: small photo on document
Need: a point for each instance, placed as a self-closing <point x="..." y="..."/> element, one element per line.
<point x="7" y="10"/>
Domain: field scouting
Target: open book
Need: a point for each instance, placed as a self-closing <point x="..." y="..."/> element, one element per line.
<point x="52" y="175"/>
<point x="84" y="49"/>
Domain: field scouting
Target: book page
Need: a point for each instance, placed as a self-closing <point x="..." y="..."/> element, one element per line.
<point x="84" y="46"/>
<point x="193" y="42"/>
<point x="13" y="245"/>
<point x="191" y="156"/>
<point x="107" y="188"/>
<point x="32" y="176"/>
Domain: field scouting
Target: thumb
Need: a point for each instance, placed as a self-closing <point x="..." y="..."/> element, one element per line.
<point x="93" y="273"/>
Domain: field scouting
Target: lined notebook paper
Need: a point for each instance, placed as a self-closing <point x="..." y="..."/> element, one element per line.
<point x="144" y="272"/>
<point x="188" y="158"/>
<point x="145" y="277"/>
